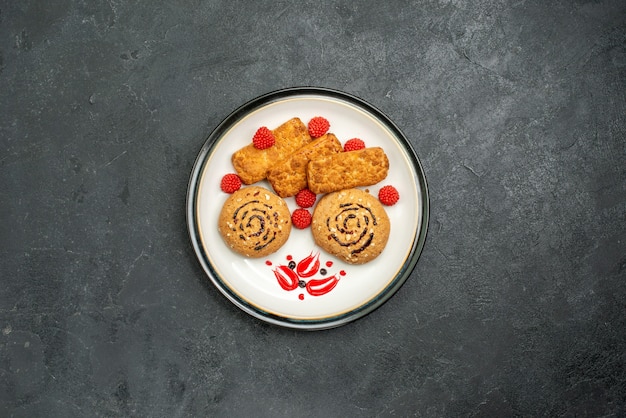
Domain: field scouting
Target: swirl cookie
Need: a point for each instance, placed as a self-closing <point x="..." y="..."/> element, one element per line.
<point x="254" y="222"/>
<point x="351" y="225"/>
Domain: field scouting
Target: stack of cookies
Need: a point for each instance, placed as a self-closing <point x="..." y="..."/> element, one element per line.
<point x="347" y="222"/>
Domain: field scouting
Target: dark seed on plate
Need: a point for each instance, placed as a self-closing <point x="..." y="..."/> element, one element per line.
<point x="323" y="272"/>
<point x="292" y="265"/>
<point x="301" y="283"/>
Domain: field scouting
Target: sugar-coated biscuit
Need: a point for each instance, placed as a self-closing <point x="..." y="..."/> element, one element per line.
<point x="254" y="222"/>
<point x="346" y="170"/>
<point x="289" y="176"/>
<point x="351" y="225"/>
<point x="252" y="164"/>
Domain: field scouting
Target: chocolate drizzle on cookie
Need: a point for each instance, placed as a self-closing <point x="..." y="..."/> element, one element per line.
<point x="351" y="227"/>
<point x="257" y="221"/>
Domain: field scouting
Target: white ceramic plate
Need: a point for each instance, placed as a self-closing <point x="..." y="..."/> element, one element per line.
<point x="252" y="284"/>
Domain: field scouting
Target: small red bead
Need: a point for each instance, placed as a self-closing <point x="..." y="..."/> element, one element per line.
<point x="230" y="183"/>
<point x="318" y="126"/>
<point x="301" y="218"/>
<point x="388" y="195"/>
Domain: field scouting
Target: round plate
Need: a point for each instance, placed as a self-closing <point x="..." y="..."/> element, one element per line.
<point x="334" y="293"/>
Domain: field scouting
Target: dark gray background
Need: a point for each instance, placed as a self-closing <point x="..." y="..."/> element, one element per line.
<point x="517" y="110"/>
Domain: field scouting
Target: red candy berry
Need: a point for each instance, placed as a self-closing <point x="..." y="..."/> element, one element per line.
<point x="353" y="144"/>
<point x="305" y="198"/>
<point x="388" y="195"/>
<point x="230" y="183"/>
<point x="301" y="218"/>
<point x="318" y="126"/>
<point x="263" y="138"/>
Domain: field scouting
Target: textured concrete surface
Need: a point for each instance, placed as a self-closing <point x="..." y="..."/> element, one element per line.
<point x="517" y="110"/>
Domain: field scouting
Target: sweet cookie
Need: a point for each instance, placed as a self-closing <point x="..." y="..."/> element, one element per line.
<point x="254" y="222"/>
<point x="351" y="225"/>
<point x="288" y="177"/>
<point x="251" y="164"/>
<point x="346" y="170"/>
